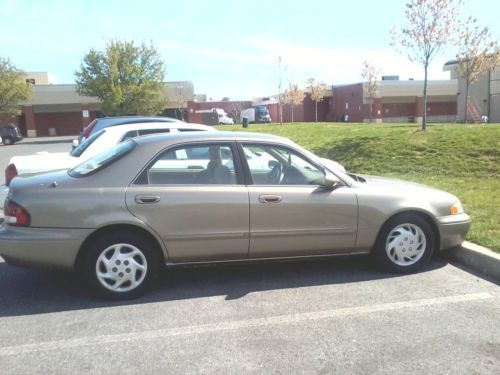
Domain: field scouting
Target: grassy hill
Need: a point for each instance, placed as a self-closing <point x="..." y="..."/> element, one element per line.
<point x="461" y="159"/>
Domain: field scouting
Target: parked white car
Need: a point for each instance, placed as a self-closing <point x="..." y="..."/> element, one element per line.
<point x="95" y="144"/>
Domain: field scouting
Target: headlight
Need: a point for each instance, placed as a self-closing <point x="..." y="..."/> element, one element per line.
<point x="456" y="208"/>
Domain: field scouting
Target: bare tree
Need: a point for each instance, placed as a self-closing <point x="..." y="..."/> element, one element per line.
<point x="286" y="98"/>
<point x="369" y="74"/>
<point x="234" y="111"/>
<point x="182" y="94"/>
<point x="431" y="25"/>
<point x="317" y="92"/>
<point x="477" y="54"/>
<point x="281" y="69"/>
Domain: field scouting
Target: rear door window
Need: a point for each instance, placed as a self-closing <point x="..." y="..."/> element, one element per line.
<point x="194" y="165"/>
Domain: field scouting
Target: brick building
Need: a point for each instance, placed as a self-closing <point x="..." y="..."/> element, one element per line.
<point x="395" y="101"/>
<point x="57" y="109"/>
<point x="484" y="95"/>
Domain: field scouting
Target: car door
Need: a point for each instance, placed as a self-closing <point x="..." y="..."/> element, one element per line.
<point x="195" y="199"/>
<point x="291" y="213"/>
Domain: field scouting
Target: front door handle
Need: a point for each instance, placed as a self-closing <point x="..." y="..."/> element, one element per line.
<point x="146" y="199"/>
<point x="269" y="198"/>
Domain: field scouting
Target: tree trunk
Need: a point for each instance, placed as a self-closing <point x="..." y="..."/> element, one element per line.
<point x="424" y="117"/>
<point x="466" y="118"/>
<point x="370" y="117"/>
<point x="279" y="112"/>
<point x="292" y="111"/>
<point x="316" y="112"/>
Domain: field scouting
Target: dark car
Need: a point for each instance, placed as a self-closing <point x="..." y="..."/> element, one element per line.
<point x="101" y="123"/>
<point x="10" y="134"/>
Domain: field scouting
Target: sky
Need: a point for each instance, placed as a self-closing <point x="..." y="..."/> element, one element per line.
<point x="225" y="48"/>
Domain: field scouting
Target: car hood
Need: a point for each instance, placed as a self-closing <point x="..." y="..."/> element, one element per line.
<point x="400" y="187"/>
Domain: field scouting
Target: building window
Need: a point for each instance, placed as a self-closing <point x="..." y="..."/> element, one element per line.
<point x="30" y="81"/>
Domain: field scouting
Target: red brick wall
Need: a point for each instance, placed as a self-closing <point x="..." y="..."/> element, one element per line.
<point x="398" y="110"/>
<point x="353" y="96"/>
<point x="10" y="120"/>
<point x="439" y="109"/>
<point x="309" y="109"/>
<point x="298" y="113"/>
<point x="64" y="123"/>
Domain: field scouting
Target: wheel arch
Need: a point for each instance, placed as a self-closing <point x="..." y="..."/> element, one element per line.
<point x="423" y="215"/>
<point x="129" y="228"/>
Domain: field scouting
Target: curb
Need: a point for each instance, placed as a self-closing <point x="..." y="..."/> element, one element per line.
<point x="478" y="258"/>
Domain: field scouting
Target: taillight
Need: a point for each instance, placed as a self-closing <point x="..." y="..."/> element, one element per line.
<point x="10" y="173"/>
<point x="88" y="130"/>
<point x="15" y="214"/>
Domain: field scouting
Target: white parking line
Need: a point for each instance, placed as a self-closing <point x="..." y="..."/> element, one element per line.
<point x="238" y="324"/>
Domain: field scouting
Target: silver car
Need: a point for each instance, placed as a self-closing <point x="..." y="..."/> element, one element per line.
<point x="190" y="198"/>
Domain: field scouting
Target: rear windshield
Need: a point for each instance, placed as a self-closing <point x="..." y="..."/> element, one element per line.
<point x="85" y="144"/>
<point x="102" y="160"/>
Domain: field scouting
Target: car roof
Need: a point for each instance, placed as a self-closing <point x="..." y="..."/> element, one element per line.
<point x="117" y="119"/>
<point x="157" y="125"/>
<point x="173" y="138"/>
<point x="106" y="122"/>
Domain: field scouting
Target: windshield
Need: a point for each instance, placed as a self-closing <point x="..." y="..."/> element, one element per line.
<point x="102" y="160"/>
<point x="85" y="145"/>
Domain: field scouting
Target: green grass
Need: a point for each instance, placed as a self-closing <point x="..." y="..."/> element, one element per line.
<point x="461" y="159"/>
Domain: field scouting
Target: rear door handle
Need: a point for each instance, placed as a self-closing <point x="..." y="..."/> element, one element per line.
<point x="147" y="199"/>
<point x="269" y="198"/>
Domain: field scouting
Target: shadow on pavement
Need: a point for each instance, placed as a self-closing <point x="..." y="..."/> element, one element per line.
<point x="29" y="291"/>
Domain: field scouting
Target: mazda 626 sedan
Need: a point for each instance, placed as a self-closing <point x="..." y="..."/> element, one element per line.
<point x="216" y="196"/>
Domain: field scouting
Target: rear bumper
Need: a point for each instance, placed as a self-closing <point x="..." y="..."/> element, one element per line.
<point x="452" y="230"/>
<point x="41" y="247"/>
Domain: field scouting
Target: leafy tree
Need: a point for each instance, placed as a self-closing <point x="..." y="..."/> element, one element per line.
<point x="13" y="89"/>
<point x="317" y="92"/>
<point x="128" y="79"/>
<point x="477" y="54"/>
<point x="293" y="96"/>
<point x="430" y="26"/>
<point x="369" y="74"/>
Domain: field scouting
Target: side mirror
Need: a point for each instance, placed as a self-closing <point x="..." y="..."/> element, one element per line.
<point x="331" y="180"/>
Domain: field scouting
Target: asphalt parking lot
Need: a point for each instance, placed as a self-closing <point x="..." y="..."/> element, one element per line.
<point x="340" y="315"/>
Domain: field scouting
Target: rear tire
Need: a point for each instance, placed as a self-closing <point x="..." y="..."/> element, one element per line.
<point x="7" y="141"/>
<point x="121" y="265"/>
<point x="405" y="244"/>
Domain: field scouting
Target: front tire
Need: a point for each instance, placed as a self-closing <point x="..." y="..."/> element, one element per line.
<point x="405" y="244"/>
<point x="7" y="141"/>
<point x="121" y="265"/>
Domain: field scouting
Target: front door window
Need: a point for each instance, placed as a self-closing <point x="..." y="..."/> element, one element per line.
<point x="275" y="165"/>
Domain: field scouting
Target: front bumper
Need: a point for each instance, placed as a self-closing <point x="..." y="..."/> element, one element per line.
<point x="453" y="229"/>
<point x="41" y="247"/>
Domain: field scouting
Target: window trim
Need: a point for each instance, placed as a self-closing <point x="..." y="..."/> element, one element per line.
<point x="142" y="179"/>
